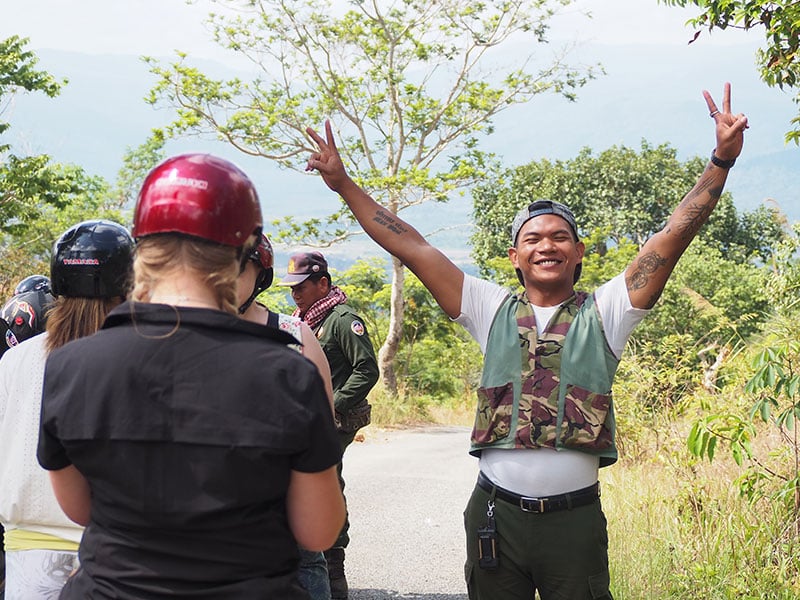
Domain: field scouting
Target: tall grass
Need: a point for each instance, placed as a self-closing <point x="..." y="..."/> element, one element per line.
<point x="408" y="409"/>
<point x="679" y="529"/>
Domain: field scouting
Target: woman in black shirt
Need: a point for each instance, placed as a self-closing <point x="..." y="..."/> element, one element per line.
<point x="196" y="470"/>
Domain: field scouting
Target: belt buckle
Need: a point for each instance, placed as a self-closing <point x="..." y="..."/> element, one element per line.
<point x="531" y="505"/>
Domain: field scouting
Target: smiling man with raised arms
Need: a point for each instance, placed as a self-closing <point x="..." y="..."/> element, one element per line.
<point x="544" y="422"/>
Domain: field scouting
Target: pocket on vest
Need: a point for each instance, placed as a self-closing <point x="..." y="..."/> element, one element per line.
<point x="493" y="417"/>
<point x="584" y="426"/>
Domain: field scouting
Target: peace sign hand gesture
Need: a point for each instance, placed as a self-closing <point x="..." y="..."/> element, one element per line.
<point x="327" y="160"/>
<point x="730" y="127"/>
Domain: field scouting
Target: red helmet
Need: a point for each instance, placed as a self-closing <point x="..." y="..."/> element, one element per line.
<point x="264" y="257"/>
<point x="199" y="195"/>
<point x="263" y="254"/>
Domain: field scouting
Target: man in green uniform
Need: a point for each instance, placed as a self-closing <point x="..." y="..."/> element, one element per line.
<point x="354" y="369"/>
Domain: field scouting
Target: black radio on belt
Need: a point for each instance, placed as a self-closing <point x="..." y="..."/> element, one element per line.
<point x="487" y="542"/>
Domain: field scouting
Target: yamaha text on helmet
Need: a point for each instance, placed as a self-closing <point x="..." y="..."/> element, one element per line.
<point x="202" y="196"/>
<point x="263" y="256"/>
<point x="93" y="259"/>
<point x="25" y="315"/>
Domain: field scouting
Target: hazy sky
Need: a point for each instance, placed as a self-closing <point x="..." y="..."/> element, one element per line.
<point x="157" y="27"/>
<point x="652" y="87"/>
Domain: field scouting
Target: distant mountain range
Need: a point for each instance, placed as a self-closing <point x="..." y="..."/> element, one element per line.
<point x="650" y="93"/>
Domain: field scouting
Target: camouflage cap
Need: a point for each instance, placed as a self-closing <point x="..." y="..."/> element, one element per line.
<point x="542" y="207"/>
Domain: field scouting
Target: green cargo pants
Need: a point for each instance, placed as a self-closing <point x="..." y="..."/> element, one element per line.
<point x="562" y="554"/>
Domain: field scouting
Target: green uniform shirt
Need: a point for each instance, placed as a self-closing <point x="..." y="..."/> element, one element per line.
<point x="354" y="369"/>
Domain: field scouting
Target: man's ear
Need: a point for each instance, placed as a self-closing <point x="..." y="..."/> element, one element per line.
<point x="512" y="256"/>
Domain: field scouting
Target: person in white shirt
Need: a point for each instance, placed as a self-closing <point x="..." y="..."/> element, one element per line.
<point x="91" y="269"/>
<point x="545" y="421"/>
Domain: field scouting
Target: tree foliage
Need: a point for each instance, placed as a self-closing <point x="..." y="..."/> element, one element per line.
<point x="410" y="86"/>
<point x="627" y="194"/>
<point x="772" y="388"/>
<point x="439" y="361"/>
<point x="780" y="60"/>
<point x="136" y="164"/>
<point x="714" y="301"/>
<point x="18" y="72"/>
<point x="26" y="183"/>
<point x="39" y="199"/>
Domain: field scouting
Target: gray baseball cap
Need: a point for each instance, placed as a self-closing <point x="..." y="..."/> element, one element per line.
<point x="542" y="207"/>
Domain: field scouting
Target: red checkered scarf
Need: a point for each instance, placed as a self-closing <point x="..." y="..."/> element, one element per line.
<point x="322" y="307"/>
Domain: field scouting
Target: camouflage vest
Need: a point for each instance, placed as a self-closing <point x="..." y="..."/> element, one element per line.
<point x="551" y="390"/>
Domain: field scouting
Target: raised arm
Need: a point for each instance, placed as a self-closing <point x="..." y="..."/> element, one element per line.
<point x="647" y="275"/>
<point x="443" y="279"/>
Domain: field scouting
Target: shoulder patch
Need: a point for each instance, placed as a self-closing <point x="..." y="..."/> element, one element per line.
<point x="357" y="327"/>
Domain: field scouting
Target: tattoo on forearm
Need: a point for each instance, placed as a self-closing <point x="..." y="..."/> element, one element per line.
<point x="646" y="265"/>
<point x="389" y="221"/>
<point x="696" y="207"/>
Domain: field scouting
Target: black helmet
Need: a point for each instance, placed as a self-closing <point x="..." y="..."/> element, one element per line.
<point x="4" y="335"/>
<point x="92" y="259"/>
<point x="33" y="283"/>
<point x="25" y="315"/>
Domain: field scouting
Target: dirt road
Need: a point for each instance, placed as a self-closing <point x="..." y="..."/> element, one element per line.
<point x="406" y="493"/>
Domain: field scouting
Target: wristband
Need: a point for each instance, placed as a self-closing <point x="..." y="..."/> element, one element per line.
<point x="722" y="164"/>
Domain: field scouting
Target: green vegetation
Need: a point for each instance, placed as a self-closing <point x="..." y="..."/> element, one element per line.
<point x="38" y="198"/>
<point x="439" y="362"/>
<point x="703" y="503"/>
<point x="679" y="530"/>
<point x="713" y="375"/>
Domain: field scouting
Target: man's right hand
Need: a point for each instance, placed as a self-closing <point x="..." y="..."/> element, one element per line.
<point x="327" y="161"/>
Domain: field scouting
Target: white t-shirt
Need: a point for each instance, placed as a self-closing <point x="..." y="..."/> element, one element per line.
<point x="27" y="500"/>
<point x="544" y="471"/>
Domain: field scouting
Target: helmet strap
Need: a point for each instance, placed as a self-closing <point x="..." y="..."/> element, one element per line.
<point x="263" y="281"/>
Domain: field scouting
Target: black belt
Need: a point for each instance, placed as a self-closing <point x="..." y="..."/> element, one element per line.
<point x="570" y="500"/>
